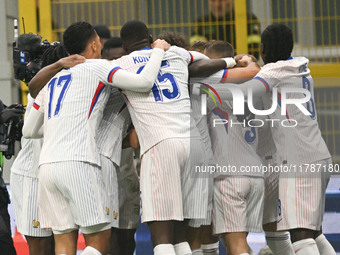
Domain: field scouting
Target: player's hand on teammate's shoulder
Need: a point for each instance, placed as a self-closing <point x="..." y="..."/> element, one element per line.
<point x="161" y="44"/>
<point x="244" y="60"/>
<point x="71" y="61"/>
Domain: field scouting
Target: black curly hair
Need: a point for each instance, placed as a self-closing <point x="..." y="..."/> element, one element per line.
<point x="277" y="41"/>
<point x="53" y="54"/>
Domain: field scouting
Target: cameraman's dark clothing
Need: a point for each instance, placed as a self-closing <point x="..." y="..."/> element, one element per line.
<point x="223" y="28"/>
<point x="6" y="241"/>
<point x="1" y="108"/>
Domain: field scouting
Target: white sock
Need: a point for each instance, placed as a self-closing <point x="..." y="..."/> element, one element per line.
<point x="211" y="249"/>
<point x="182" y="248"/>
<point x="197" y="252"/>
<point x="164" y="249"/>
<point x="90" y="251"/>
<point x="325" y="248"/>
<point x="306" y="247"/>
<point x="266" y="251"/>
<point x="244" y="254"/>
<point x="279" y="243"/>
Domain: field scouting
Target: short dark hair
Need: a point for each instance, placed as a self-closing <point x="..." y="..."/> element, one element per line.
<point x="221" y="48"/>
<point x="277" y="40"/>
<point x="174" y="39"/>
<point x="113" y="42"/>
<point x="199" y="46"/>
<point x="53" y="54"/>
<point x="77" y="35"/>
<point x="134" y="31"/>
<point x="103" y="31"/>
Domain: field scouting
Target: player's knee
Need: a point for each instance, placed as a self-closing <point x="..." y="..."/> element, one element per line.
<point x="236" y="243"/>
<point x="298" y="234"/>
<point x="40" y="245"/>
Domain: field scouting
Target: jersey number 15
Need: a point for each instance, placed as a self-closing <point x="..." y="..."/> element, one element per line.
<point x="158" y="93"/>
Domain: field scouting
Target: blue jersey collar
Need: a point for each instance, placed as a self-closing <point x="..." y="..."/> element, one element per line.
<point x="146" y="48"/>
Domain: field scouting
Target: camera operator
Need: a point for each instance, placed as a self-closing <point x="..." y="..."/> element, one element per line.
<point x="9" y="115"/>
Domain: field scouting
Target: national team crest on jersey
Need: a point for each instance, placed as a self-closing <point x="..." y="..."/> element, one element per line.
<point x="115" y="215"/>
<point x="36" y="223"/>
<point x="107" y="211"/>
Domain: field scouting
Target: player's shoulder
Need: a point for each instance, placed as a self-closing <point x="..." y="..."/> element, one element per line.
<point x="289" y="65"/>
<point x="299" y="61"/>
<point x="91" y="64"/>
<point x="134" y="59"/>
<point x="177" y="52"/>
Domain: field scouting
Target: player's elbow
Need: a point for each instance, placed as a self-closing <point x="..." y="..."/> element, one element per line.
<point x="196" y="69"/>
<point x="31" y="133"/>
<point x="27" y="132"/>
<point x="34" y="87"/>
<point x="33" y="92"/>
<point x="146" y="85"/>
<point x="252" y="71"/>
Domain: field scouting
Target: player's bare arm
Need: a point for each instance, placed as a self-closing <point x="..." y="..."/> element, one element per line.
<point x="45" y="74"/>
<point x="246" y="68"/>
<point x="205" y="66"/>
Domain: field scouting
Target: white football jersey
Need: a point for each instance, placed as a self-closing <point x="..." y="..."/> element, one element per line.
<point x="233" y="143"/>
<point x="303" y="143"/>
<point x="266" y="147"/>
<point x="73" y="102"/>
<point x="202" y="126"/>
<point x="113" y="127"/>
<point x="27" y="161"/>
<point x="164" y="112"/>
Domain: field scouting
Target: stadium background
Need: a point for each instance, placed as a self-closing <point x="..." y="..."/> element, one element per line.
<point x="315" y="24"/>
